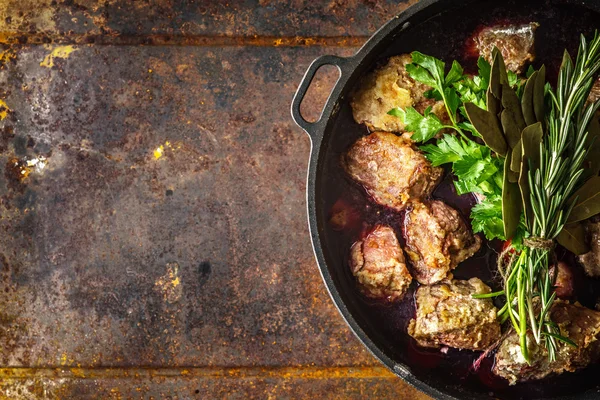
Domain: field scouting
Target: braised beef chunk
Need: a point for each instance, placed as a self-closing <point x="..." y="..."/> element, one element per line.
<point x="448" y="315"/>
<point x="378" y="264"/>
<point x="591" y="260"/>
<point x="437" y="239"/>
<point x="391" y="170"/>
<point x="579" y="324"/>
<point x="595" y="92"/>
<point x="515" y="42"/>
<point x="388" y="87"/>
<point x="565" y="282"/>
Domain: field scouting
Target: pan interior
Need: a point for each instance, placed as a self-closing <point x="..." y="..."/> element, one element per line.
<point x="446" y="36"/>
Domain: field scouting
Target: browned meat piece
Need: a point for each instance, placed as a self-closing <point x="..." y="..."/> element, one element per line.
<point x="378" y="264"/>
<point x="391" y="170"/>
<point x="514" y="42"/>
<point x="595" y="92"/>
<point x="437" y="239"/>
<point x="564" y="281"/>
<point x="448" y="315"/>
<point x="579" y="324"/>
<point x="388" y="87"/>
<point x="591" y="260"/>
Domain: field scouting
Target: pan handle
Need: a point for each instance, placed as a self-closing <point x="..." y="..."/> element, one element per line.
<point x="313" y="127"/>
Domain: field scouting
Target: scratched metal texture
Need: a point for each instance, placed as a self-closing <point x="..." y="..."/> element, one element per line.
<point x="154" y="240"/>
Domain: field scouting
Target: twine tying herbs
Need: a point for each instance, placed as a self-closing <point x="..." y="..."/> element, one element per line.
<point x="539" y="243"/>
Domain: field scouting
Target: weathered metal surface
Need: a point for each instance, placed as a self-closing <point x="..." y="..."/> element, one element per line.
<point x="265" y="18"/>
<point x="286" y="383"/>
<point x="152" y="205"/>
<point x="167" y="224"/>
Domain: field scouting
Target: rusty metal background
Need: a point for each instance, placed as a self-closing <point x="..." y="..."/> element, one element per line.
<point x="152" y="212"/>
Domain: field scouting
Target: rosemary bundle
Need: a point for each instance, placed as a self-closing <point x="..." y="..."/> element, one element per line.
<point x="552" y="171"/>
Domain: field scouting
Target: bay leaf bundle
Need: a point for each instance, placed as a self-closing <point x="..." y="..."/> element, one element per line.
<point x="502" y="127"/>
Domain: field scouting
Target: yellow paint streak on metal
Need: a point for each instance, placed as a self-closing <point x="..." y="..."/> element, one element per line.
<point x="199" y="372"/>
<point x="57" y="52"/>
<point x="8" y="38"/>
<point x="158" y="152"/>
<point x="7" y="55"/>
<point x="3" y="109"/>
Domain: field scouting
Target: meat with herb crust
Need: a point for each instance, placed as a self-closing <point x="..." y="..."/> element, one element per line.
<point x="515" y="42"/>
<point x="578" y="323"/>
<point x="594" y="95"/>
<point x="378" y="264"/>
<point x="390" y="169"/>
<point x="388" y="87"/>
<point x="437" y="240"/>
<point x="591" y="260"/>
<point x="448" y="315"/>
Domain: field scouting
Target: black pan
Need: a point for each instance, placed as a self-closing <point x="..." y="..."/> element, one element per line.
<point x="441" y="28"/>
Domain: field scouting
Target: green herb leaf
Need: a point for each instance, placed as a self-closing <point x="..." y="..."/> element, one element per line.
<point x="439" y="154"/>
<point x="452" y="100"/>
<point x="486" y="217"/>
<point x="455" y="74"/>
<point x="484" y="71"/>
<point x="530" y="71"/>
<point x="420" y="74"/>
<point x="424" y="127"/>
<point x="434" y="66"/>
<point x="513" y="79"/>
<point x="469" y="168"/>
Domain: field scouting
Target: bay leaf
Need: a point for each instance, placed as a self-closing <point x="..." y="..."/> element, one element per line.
<point x="538" y="96"/>
<point x="530" y="152"/>
<point x="573" y="238"/>
<point x="493" y="104"/>
<point x="511" y="202"/>
<point x="513" y="177"/>
<point x="488" y="126"/>
<point x="531" y="139"/>
<point x="495" y="86"/>
<point x="503" y="74"/>
<point x="588" y="200"/>
<point x="592" y="159"/>
<point x="525" y="190"/>
<point x="515" y="162"/>
<point x="527" y="100"/>
<point x="511" y="118"/>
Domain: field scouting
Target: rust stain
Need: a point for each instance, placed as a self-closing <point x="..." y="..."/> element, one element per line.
<point x="170" y="284"/>
<point x="7" y="38"/>
<point x="301" y="372"/>
<point x="7" y="55"/>
<point x="57" y="52"/>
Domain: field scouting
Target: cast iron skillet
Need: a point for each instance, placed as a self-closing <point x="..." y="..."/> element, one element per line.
<point x="441" y="28"/>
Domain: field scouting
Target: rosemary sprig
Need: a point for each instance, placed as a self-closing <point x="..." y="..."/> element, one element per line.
<point x="529" y="282"/>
